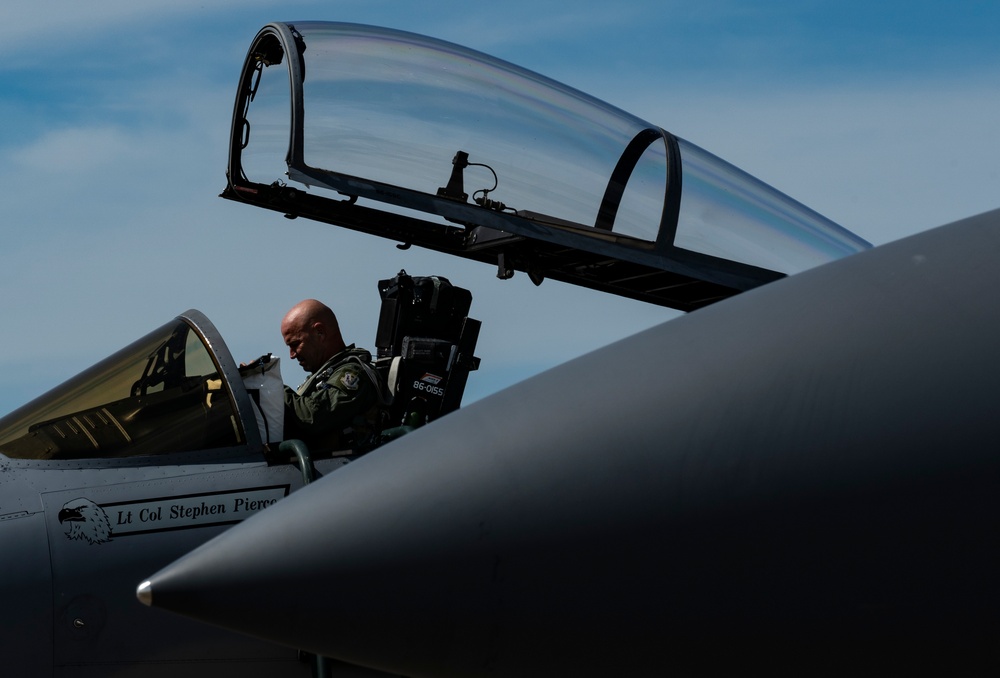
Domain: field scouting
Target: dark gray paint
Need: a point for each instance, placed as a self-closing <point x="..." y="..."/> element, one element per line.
<point x="801" y="479"/>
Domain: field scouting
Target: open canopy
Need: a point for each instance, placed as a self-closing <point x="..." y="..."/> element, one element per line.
<point x="436" y="145"/>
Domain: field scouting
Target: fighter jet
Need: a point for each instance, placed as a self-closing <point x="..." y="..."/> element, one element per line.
<point x="168" y="443"/>
<point x="798" y="477"/>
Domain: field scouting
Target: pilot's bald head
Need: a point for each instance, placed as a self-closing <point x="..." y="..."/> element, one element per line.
<point x="312" y="334"/>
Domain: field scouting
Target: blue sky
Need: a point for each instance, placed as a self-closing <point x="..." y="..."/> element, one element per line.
<point x="881" y="116"/>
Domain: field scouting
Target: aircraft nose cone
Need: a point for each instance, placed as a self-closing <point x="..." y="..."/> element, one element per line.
<point x="815" y="500"/>
<point x="144" y="592"/>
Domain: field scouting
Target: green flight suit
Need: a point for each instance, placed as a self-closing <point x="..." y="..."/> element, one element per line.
<point x="338" y="406"/>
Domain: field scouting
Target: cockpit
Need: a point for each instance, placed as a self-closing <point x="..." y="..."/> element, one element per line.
<point x="178" y="389"/>
<point x="432" y="144"/>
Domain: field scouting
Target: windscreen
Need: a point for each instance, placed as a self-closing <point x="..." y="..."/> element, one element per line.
<point x="159" y="395"/>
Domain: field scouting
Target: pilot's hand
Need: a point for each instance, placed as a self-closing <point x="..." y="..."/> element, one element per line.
<point x="263" y="360"/>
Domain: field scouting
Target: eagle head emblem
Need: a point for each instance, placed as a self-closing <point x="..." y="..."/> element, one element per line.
<point x="83" y="519"/>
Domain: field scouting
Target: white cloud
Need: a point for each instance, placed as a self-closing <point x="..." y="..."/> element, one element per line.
<point x="72" y="151"/>
<point x="24" y="24"/>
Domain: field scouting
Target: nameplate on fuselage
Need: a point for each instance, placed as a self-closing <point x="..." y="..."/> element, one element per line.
<point x="196" y="510"/>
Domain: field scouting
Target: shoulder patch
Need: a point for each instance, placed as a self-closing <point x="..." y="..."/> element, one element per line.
<point x="350" y="380"/>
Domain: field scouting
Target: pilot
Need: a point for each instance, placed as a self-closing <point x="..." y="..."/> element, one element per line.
<point x="339" y="406"/>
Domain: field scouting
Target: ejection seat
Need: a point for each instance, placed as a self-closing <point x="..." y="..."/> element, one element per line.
<point x="425" y="342"/>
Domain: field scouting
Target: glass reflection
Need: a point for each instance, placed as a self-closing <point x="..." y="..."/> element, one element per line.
<point x="267" y="128"/>
<point x="159" y="395"/>
<point x="394" y="107"/>
<point x="727" y="213"/>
